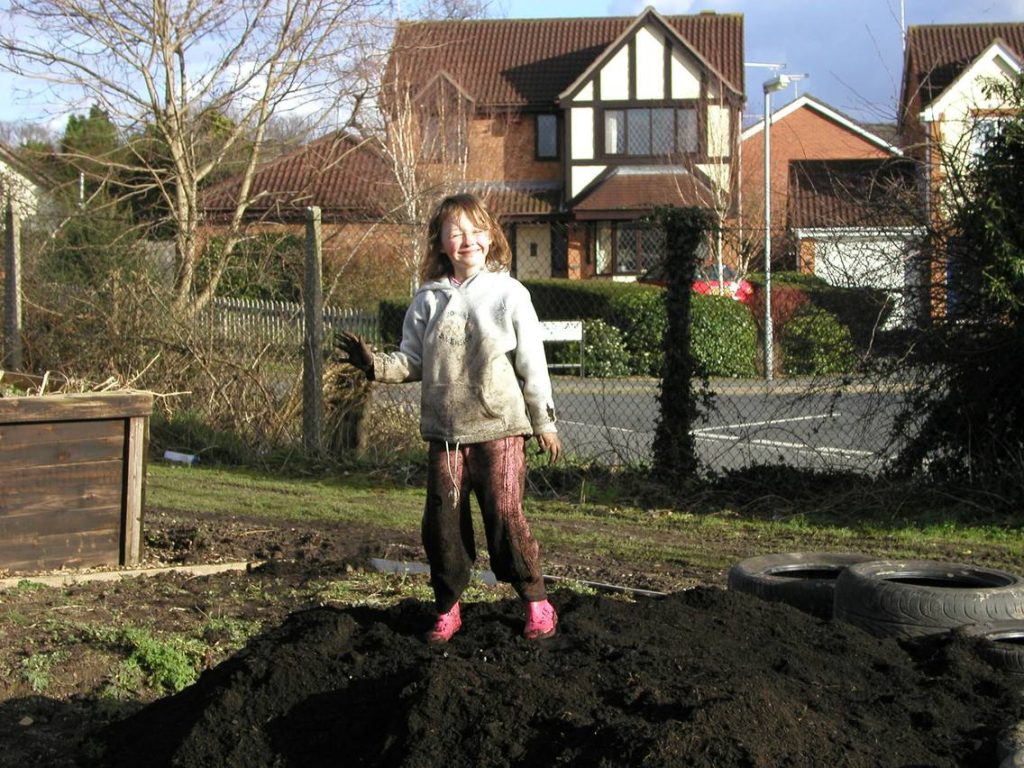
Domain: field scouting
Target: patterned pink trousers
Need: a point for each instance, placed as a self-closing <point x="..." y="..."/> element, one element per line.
<point x="495" y="472"/>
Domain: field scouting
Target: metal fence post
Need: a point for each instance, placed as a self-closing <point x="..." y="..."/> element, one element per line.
<point x="313" y="362"/>
<point x="12" y="289"/>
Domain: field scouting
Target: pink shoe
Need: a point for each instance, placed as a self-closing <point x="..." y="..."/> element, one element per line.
<point x="541" y="620"/>
<point x="447" y="624"/>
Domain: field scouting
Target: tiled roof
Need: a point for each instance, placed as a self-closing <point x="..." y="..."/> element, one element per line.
<point x="887" y="132"/>
<point x="524" y="63"/>
<point x="853" y="193"/>
<point x="518" y="199"/>
<point x="346" y="177"/>
<point x="937" y="53"/>
<point x="9" y="157"/>
<point x="630" y="191"/>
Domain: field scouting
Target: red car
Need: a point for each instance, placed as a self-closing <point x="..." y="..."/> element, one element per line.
<point x="740" y="290"/>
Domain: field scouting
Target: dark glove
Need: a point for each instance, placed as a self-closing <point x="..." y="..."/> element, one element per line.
<point x="358" y="353"/>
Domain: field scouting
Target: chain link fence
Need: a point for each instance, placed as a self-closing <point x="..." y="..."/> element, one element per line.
<point x="229" y="379"/>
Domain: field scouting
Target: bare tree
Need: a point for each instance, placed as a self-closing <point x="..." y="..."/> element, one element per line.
<point x="427" y="145"/>
<point x="165" y="70"/>
<point x="17" y="133"/>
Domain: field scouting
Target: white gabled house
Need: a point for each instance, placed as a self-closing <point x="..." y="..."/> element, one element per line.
<point x="25" y="189"/>
<point x="947" y="111"/>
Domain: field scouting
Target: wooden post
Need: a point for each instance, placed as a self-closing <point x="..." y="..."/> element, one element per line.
<point x="12" y="289"/>
<point x="136" y="442"/>
<point x="313" y="363"/>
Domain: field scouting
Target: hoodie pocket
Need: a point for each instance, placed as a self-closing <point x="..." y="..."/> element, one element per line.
<point x="459" y="411"/>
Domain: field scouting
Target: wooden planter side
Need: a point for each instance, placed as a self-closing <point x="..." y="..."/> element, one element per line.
<point x="72" y="471"/>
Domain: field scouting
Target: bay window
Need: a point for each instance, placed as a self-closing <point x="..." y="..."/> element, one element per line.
<point x="650" y="132"/>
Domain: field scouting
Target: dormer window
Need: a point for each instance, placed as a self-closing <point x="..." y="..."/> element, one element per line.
<point x="444" y="113"/>
<point x="650" y="131"/>
<point x="547" y="137"/>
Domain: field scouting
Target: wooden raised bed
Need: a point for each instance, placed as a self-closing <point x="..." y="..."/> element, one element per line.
<point x="72" y="471"/>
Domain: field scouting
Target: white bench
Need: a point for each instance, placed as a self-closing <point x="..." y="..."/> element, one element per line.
<point x="564" y="331"/>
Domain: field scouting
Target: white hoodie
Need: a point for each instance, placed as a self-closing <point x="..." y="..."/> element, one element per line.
<point x="478" y="350"/>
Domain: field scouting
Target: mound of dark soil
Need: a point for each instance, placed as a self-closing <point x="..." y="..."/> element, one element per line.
<point x="702" y="678"/>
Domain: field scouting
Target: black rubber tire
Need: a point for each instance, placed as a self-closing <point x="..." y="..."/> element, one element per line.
<point x="913" y="598"/>
<point x="1001" y="644"/>
<point x="804" y="580"/>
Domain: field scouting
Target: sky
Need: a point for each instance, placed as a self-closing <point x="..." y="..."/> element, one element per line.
<point x="850" y="50"/>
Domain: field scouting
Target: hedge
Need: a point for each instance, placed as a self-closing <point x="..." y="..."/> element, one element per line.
<point x="723" y="337"/>
<point x="624" y="324"/>
<point x="862" y="310"/>
<point x="817" y="343"/>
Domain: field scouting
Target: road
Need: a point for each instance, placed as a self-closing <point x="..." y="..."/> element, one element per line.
<point x="799" y="424"/>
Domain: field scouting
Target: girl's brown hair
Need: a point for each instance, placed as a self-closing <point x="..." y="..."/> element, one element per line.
<point x="435" y="264"/>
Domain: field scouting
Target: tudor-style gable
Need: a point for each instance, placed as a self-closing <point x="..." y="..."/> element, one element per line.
<point x="526" y="76"/>
<point x="650" y="98"/>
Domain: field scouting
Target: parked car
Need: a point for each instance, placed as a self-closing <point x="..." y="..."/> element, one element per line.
<point x="707" y="282"/>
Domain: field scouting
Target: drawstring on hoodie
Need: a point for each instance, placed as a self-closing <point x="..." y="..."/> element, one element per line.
<point x="455" y="493"/>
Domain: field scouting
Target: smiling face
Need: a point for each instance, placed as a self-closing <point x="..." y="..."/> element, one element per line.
<point x="465" y="244"/>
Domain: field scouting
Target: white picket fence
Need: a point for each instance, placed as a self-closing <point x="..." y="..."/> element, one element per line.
<point x="281" y="322"/>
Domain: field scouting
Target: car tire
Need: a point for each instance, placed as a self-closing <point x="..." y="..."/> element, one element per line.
<point x="804" y="580"/>
<point x="1001" y="644"/>
<point x="913" y="598"/>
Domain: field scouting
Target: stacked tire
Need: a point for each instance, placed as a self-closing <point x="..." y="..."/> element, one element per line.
<point x="804" y="580"/>
<point x="897" y="598"/>
<point x="911" y="598"/>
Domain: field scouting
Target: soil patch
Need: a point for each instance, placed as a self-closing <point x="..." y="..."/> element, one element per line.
<point x="704" y="677"/>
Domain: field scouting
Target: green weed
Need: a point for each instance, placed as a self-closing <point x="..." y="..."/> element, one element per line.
<point x="28" y="586"/>
<point x="169" y="662"/>
<point x="36" y="668"/>
<point x="233" y="632"/>
<point x="128" y="679"/>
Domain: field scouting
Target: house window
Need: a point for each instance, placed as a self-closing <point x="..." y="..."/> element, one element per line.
<point x="984" y="130"/>
<point x="547" y="137"/>
<point x="627" y="248"/>
<point x="650" y="132"/>
<point x="443" y="139"/>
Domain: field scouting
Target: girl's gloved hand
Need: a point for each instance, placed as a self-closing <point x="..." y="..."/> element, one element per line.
<point x="358" y="353"/>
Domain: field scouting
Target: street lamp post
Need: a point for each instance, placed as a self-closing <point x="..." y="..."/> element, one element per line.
<point x="776" y="83"/>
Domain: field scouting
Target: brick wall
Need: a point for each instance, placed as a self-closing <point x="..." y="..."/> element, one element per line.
<point x="802" y="135"/>
<point x="501" y="148"/>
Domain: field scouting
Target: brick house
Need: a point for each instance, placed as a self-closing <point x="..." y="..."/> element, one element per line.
<point x="350" y="180"/>
<point x="946" y="111"/>
<point x="860" y="223"/>
<point x="805" y="129"/>
<point x="575" y="129"/>
<point x="844" y="201"/>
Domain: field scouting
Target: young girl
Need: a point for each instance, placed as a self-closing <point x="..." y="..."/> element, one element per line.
<point x="472" y="337"/>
